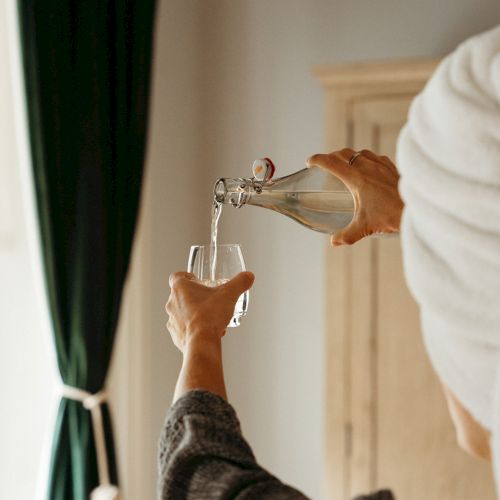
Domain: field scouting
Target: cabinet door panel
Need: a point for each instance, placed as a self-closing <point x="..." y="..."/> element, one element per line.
<point x="416" y="453"/>
<point x="387" y="423"/>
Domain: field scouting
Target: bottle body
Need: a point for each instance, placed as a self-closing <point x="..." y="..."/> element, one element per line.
<point x="313" y="197"/>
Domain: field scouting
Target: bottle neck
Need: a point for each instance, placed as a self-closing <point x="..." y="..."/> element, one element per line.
<point x="236" y="192"/>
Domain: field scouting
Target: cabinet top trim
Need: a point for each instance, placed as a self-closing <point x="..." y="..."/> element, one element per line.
<point x="370" y="73"/>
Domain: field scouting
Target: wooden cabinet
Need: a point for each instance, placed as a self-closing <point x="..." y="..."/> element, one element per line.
<point x="387" y="424"/>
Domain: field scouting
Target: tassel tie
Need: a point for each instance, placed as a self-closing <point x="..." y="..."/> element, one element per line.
<point x="93" y="402"/>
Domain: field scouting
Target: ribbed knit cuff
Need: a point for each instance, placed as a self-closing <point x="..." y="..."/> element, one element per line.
<point x="202" y="402"/>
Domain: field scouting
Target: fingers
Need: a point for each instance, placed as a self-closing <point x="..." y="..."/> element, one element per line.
<point x="370" y="155"/>
<point x="174" y="277"/>
<point x="345" y="154"/>
<point x="336" y="163"/>
<point x="239" y="284"/>
<point x="387" y="160"/>
<point x="378" y="159"/>
<point x="342" y="157"/>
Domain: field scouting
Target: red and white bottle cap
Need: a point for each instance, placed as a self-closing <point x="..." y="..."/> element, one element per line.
<point x="263" y="169"/>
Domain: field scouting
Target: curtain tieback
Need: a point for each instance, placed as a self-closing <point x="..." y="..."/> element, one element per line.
<point x="93" y="402"/>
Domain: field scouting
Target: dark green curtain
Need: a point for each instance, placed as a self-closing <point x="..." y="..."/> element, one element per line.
<point x="87" y="70"/>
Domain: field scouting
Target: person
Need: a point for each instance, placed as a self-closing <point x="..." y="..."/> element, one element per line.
<point x="447" y="204"/>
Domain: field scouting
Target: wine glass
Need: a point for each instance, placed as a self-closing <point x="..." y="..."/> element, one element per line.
<point x="213" y="266"/>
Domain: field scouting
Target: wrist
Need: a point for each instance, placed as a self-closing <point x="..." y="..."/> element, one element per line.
<point x="202" y="341"/>
<point x="201" y="367"/>
<point x="200" y="332"/>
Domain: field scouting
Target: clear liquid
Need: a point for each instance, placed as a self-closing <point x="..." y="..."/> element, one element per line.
<point x="216" y="213"/>
<point x="241" y="306"/>
<point x="323" y="211"/>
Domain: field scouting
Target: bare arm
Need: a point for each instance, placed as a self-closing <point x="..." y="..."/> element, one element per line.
<point x="202" y="451"/>
<point x="201" y="369"/>
<point x="198" y="316"/>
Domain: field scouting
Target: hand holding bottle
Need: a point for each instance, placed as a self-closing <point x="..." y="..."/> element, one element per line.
<point x="373" y="182"/>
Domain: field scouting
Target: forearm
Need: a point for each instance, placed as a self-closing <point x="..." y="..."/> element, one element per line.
<point x="201" y="368"/>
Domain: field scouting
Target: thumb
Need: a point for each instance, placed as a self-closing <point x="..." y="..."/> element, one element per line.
<point x="239" y="284"/>
<point x="349" y="235"/>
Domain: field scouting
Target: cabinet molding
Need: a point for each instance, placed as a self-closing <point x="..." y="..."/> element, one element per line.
<point x="386" y="423"/>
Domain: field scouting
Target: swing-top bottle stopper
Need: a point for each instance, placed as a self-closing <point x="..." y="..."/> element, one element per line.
<point x="263" y="169"/>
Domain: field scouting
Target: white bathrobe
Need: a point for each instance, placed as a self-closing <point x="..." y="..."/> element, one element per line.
<point x="449" y="160"/>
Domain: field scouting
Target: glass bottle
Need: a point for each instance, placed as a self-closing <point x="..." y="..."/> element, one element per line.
<point x="313" y="197"/>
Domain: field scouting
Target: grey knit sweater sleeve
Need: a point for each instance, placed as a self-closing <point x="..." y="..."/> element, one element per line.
<point x="203" y="455"/>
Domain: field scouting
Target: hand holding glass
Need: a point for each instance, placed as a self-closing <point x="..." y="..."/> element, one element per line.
<point x="228" y="263"/>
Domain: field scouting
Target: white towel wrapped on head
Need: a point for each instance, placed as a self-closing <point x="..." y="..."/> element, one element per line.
<point x="449" y="160"/>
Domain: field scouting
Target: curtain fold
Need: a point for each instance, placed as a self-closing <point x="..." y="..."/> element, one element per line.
<point x="87" y="73"/>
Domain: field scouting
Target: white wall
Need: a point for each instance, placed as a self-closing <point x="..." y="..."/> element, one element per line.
<point x="172" y="193"/>
<point x="233" y="82"/>
<point x="28" y="377"/>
